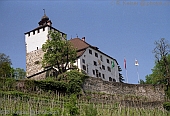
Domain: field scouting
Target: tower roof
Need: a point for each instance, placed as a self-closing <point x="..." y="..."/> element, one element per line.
<point x="45" y="20"/>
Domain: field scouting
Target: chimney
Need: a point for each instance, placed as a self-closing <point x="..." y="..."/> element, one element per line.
<point x="83" y="38"/>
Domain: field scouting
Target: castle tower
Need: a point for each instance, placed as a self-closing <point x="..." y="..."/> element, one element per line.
<point x="34" y="40"/>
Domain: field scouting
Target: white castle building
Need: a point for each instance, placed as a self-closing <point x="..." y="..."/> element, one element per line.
<point x="89" y="58"/>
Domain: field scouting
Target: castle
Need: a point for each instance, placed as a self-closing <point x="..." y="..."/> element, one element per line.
<point x="90" y="59"/>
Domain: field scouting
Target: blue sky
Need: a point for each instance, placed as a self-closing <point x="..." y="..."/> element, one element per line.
<point x="121" y="29"/>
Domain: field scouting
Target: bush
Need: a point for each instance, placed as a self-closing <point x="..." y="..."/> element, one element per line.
<point x="166" y="106"/>
<point x="74" y="79"/>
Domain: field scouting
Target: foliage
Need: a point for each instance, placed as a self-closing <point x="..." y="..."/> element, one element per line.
<point x="72" y="105"/>
<point x="90" y="110"/>
<point x="5" y="65"/>
<point x="121" y="79"/>
<point x="74" y="79"/>
<point x="7" y="83"/>
<point x="19" y="73"/>
<point x="166" y="106"/>
<point x="142" y="81"/>
<point x="161" y="70"/>
<point x="58" y="52"/>
<point x="161" y="52"/>
<point x="158" y="73"/>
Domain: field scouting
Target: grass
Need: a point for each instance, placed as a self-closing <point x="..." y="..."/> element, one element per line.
<point x="25" y="105"/>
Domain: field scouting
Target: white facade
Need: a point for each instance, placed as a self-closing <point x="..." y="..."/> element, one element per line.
<point x="97" y="64"/>
<point x="35" y="39"/>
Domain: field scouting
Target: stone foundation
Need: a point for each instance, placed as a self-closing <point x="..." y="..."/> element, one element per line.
<point x="34" y="64"/>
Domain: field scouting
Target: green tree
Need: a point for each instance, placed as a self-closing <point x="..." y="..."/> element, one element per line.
<point x="121" y="79"/>
<point x="161" y="70"/>
<point x="58" y="52"/>
<point x="161" y="51"/>
<point x="19" y="73"/>
<point x="5" y="65"/>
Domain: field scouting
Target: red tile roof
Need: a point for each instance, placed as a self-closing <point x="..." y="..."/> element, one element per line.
<point x="81" y="46"/>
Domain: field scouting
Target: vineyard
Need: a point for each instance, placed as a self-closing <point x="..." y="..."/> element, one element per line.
<point x="28" y="100"/>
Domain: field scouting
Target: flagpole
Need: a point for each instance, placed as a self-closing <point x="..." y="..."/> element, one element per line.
<point x="137" y="64"/>
<point x="138" y="74"/>
<point x="126" y="76"/>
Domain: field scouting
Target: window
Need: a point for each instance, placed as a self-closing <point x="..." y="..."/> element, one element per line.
<point x="108" y="68"/>
<point x="43" y="28"/>
<point x="107" y="60"/>
<point x="103" y="67"/>
<point x="114" y="80"/>
<point x="101" y="58"/>
<point x="95" y="63"/>
<point x="103" y="76"/>
<point x="96" y="54"/>
<point x="90" y="51"/>
<point x="110" y="79"/>
<point x="93" y="72"/>
<point x="83" y="60"/>
<point x="84" y="67"/>
<point x="37" y="48"/>
<point x="97" y="73"/>
<point x="36" y="62"/>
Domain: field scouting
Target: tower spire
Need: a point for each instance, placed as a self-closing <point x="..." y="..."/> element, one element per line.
<point x="45" y="20"/>
<point x="44" y="11"/>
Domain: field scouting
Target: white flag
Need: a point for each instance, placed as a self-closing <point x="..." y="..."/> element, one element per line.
<point x="136" y="63"/>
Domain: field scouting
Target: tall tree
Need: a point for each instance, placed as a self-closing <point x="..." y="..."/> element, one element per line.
<point x="5" y="65"/>
<point x="19" y="73"/>
<point x="161" y="70"/>
<point x="58" y="52"/>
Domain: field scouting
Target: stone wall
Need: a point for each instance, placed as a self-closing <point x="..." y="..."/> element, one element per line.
<point x="34" y="64"/>
<point x="150" y="92"/>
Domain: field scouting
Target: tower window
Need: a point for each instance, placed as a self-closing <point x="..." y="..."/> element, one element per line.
<point x="43" y="28"/>
<point x="37" y="48"/>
